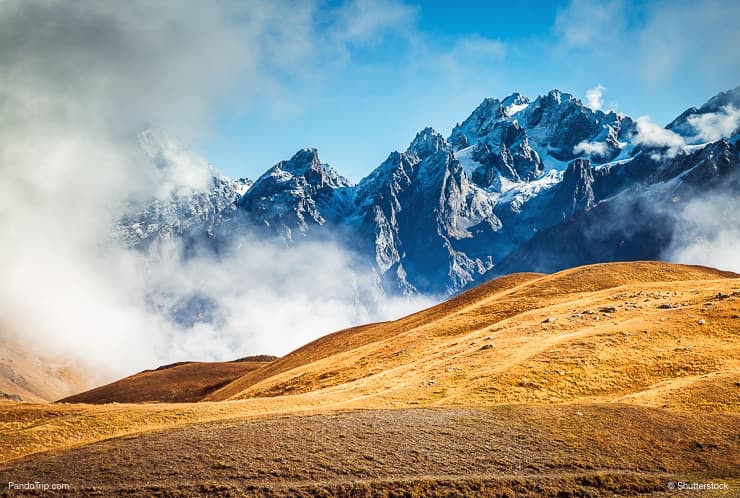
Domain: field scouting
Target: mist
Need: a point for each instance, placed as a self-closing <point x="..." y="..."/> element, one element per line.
<point x="707" y="233"/>
<point x="81" y="81"/>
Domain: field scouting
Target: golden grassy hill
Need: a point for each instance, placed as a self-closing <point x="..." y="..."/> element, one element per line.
<point x="185" y="382"/>
<point x="600" y="380"/>
<point x="651" y="333"/>
<point x="26" y="373"/>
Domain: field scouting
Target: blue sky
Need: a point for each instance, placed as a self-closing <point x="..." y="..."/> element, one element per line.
<point x="358" y="79"/>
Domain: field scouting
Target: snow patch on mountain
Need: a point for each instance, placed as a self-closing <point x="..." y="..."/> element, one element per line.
<point x="446" y="211"/>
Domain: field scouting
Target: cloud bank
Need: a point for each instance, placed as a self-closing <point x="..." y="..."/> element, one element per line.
<point x="80" y="81"/>
<point x="707" y="233"/>
<point x="654" y="135"/>
<point x="712" y="126"/>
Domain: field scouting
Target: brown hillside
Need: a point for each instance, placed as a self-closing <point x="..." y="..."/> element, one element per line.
<point x="593" y="333"/>
<point x="635" y="352"/>
<point x="355" y="337"/>
<point x="184" y="382"/>
<point x="506" y="450"/>
<point x="29" y="373"/>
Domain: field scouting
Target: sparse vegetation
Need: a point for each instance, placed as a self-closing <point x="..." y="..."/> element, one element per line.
<point x="512" y="389"/>
<point x="182" y="382"/>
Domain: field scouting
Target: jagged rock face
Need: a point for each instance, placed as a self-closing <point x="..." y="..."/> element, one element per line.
<point x="415" y="211"/>
<point x="639" y="221"/>
<point x="516" y="139"/>
<point x="190" y="217"/>
<point x="726" y="105"/>
<point x="427" y="142"/>
<point x="510" y="190"/>
<point x="295" y="194"/>
<point x="381" y="197"/>
<point x="442" y="208"/>
<point x="560" y="123"/>
<point x="575" y="192"/>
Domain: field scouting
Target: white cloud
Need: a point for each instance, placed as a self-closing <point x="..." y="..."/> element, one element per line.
<point x="365" y="21"/>
<point x="712" y="126"/>
<point x="656" y="40"/>
<point x="80" y="81"/>
<point x="589" y="24"/>
<point x="667" y="52"/>
<point x="654" y="135"/>
<point x="590" y="148"/>
<point x="707" y="233"/>
<point x="595" y="97"/>
<point x="473" y="51"/>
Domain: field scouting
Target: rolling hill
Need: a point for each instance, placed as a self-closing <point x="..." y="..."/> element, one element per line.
<point x="604" y="332"/>
<point x="28" y="373"/>
<point x="600" y="380"/>
<point x="177" y="383"/>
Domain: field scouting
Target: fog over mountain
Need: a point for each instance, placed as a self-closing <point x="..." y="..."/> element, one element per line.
<point x="125" y="248"/>
<point x="520" y="185"/>
<point x="81" y="82"/>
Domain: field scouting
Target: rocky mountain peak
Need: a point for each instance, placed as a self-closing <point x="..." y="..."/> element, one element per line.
<point x="515" y="98"/>
<point x="557" y="97"/>
<point x="513" y="189"/>
<point x="729" y="97"/>
<point x="306" y="158"/>
<point x="724" y="107"/>
<point x="427" y="142"/>
<point x="482" y="120"/>
<point x="306" y="163"/>
<point x="514" y="103"/>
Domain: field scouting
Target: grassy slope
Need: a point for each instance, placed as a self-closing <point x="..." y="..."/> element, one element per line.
<point x="37" y="377"/>
<point x="596" y="333"/>
<point x="180" y="383"/>
<point x="533" y="450"/>
<point x="519" y="345"/>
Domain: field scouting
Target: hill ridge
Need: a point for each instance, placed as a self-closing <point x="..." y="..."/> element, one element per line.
<point x="508" y="303"/>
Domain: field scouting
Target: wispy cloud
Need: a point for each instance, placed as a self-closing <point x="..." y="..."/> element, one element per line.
<point x="666" y="51"/>
<point x="590" y="24"/>
<point x="654" y="135"/>
<point x="80" y="81"/>
<point x="653" y="37"/>
<point x="366" y="21"/>
<point x="595" y="97"/>
<point x="598" y="148"/>
<point x="712" y="126"/>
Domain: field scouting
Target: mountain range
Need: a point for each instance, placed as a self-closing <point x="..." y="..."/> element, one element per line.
<point x="520" y="185"/>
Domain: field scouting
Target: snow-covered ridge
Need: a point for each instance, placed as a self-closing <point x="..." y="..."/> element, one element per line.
<point x="448" y="210"/>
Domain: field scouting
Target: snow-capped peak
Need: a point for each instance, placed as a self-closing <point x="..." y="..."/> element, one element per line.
<point x="514" y="103"/>
<point x="427" y="142"/>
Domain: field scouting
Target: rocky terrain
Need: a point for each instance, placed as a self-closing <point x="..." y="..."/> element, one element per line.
<point x="520" y="185"/>
<point x="611" y="379"/>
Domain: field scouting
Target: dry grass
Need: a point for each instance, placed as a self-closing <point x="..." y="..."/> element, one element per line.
<point x="531" y="450"/>
<point x="179" y="383"/>
<point x="596" y="333"/>
<point x="533" y="349"/>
